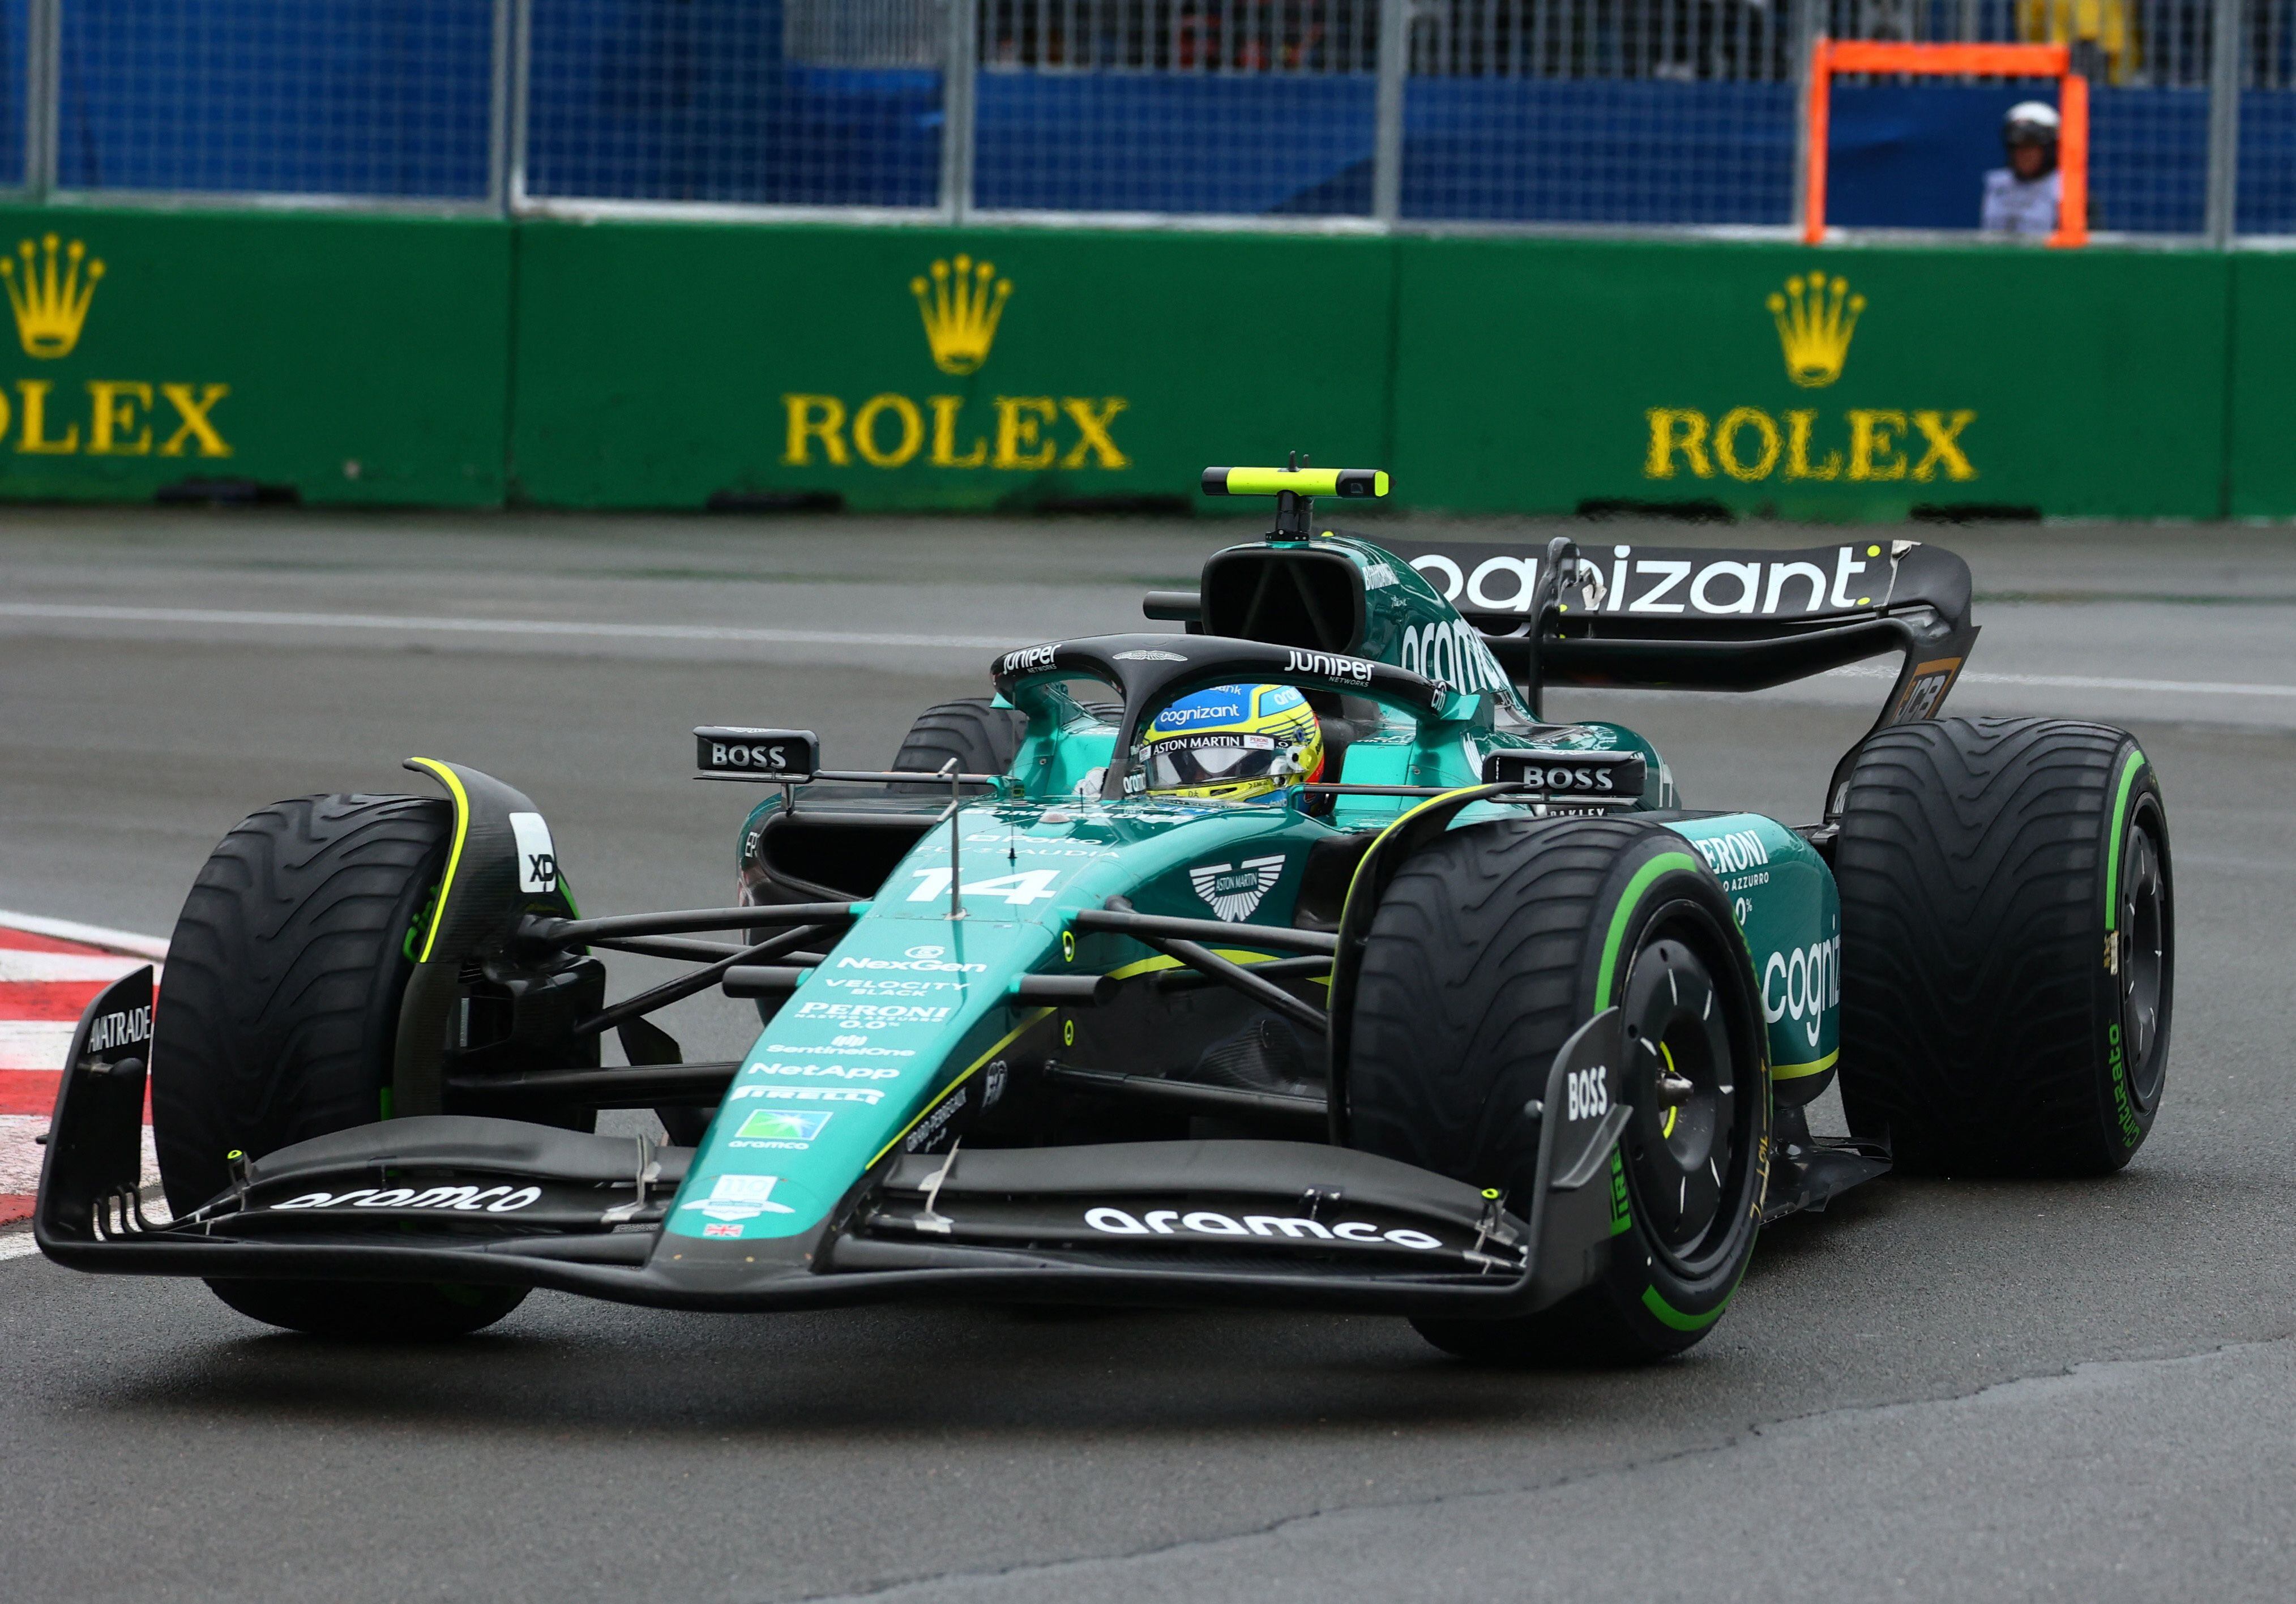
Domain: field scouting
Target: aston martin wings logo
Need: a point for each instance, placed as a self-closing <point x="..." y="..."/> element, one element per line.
<point x="1232" y="891"/>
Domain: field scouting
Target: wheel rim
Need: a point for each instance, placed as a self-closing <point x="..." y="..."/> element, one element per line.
<point x="2142" y="956"/>
<point x="1681" y="1145"/>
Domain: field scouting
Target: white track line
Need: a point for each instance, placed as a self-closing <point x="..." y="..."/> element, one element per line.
<point x="43" y="1043"/>
<point x="2090" y="682"/>
<point x="16" y="1131"/>
<point x="575" y="630"/>
<point x="2083" y="681"/>
<point x="65" y="930"/>
<point x="36" y="1044"/>
<point x="49" y="967"/>
<point x="500" y="627"/>
<point x="19" y="1155"/>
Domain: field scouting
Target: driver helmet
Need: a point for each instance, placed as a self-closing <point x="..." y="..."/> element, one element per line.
<point x="2033" y="123"/>
<point x="1231" y="743"/>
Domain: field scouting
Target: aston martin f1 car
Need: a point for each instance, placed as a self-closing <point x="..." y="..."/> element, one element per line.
<point x="1485" y="1023"/>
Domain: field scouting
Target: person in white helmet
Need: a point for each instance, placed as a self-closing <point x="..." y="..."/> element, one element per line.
<point x="2022" y="198"/>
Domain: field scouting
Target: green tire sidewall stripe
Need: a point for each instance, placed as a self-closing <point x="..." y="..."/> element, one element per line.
<point x="1665" y="863"/>
<point x="1623" y="915"/>
<point x="1667" y="1314"/>
<point x="2129" y="769"/>
<point x="2128" y="772"/>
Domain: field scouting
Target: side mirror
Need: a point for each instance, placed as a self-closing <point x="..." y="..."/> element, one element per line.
<point x="779" y="756"/>
<point x="1572" y="779"/>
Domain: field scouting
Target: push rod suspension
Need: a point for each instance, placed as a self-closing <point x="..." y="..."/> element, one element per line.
<point x="692" y="952"/>
<point x="697" y="980"/>
<point x="1237" y="978"/>
<point x="669" y="946"/>
<point x="1152" y="927"/>
<point x="581" y="932"/>
<point x="1312" y="967"/>
<point x="636" y="1087"/>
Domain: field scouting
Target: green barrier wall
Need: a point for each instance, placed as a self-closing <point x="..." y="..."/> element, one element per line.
<point x="662" y="364"/>
<point x="2262" y="472"/>
<point x="352" y="359"/>
<point x="1538" y="376"/>
<point x="669" y="365"/>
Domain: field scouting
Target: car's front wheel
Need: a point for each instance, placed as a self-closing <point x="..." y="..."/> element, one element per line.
<point x="277" y="1022"/>
<point x="1490" y="947"/>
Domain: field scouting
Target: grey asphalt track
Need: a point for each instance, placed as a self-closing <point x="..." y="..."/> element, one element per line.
<point x="1938" y="1390"/>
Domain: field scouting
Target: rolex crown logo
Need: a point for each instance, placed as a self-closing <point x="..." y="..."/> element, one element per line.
<point x="1816" y="319"/>
<point x="961" y="306"/>
<point x="50" y="305"/>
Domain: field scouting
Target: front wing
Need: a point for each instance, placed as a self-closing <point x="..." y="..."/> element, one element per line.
<point x="475" y="1200"/>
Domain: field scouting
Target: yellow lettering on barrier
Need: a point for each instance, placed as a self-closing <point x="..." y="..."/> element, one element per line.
<point x="1665" y="421"/>
<point x="1092" y="432"/>
<point x="945" y="409"/>
<point x="34" y="440"/>
<point x="1943" y="452"/>
<point x="1020" y="419"/>
<point x="1748" y="444"/>
<point x="1798" y="463"/>
<point x="112" y="422"/>
<point x="865" y="430"/>
<point x="814" y="418"/>
<point x="1025" y="437"/>
<point x="193" y="410"/>
<point x="1873" y="435"/>
<point x="1725" y="443"/>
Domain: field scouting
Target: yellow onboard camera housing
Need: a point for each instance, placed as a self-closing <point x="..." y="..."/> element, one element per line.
<point x="1295" y="489"/>
<point x="1347" y="482"/>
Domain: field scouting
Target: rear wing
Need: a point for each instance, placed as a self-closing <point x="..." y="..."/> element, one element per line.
<point x="1711" y="619"/>
<point x="1706" y="617"/>
<point x="1622" y="615"/>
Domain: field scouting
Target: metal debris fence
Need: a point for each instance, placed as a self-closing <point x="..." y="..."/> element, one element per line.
<point x="1606" y="116"/>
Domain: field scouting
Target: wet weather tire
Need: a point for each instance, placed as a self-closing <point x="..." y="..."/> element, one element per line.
<point x="2008" y="945"/>
<point x="981" y="738"/>
<point x="1488" y="950"/>
<point x="277" y="1020"/>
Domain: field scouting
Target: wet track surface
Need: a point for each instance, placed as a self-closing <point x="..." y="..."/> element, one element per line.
<point x="1940" y="1389"/>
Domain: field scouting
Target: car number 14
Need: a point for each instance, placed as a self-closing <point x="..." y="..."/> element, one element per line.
<point x="1030" y="885"/>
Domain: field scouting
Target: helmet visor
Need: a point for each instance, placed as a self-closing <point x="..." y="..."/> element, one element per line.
<point x="1205" y="760"/>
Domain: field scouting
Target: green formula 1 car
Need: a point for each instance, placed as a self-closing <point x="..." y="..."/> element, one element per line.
<point x="1477" y="1023"/>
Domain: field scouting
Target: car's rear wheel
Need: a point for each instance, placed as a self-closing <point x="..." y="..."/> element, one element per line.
<point x="1489" y="949"/>
<point x="2008" y="945"/>
<point x="277" y="1022"/>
